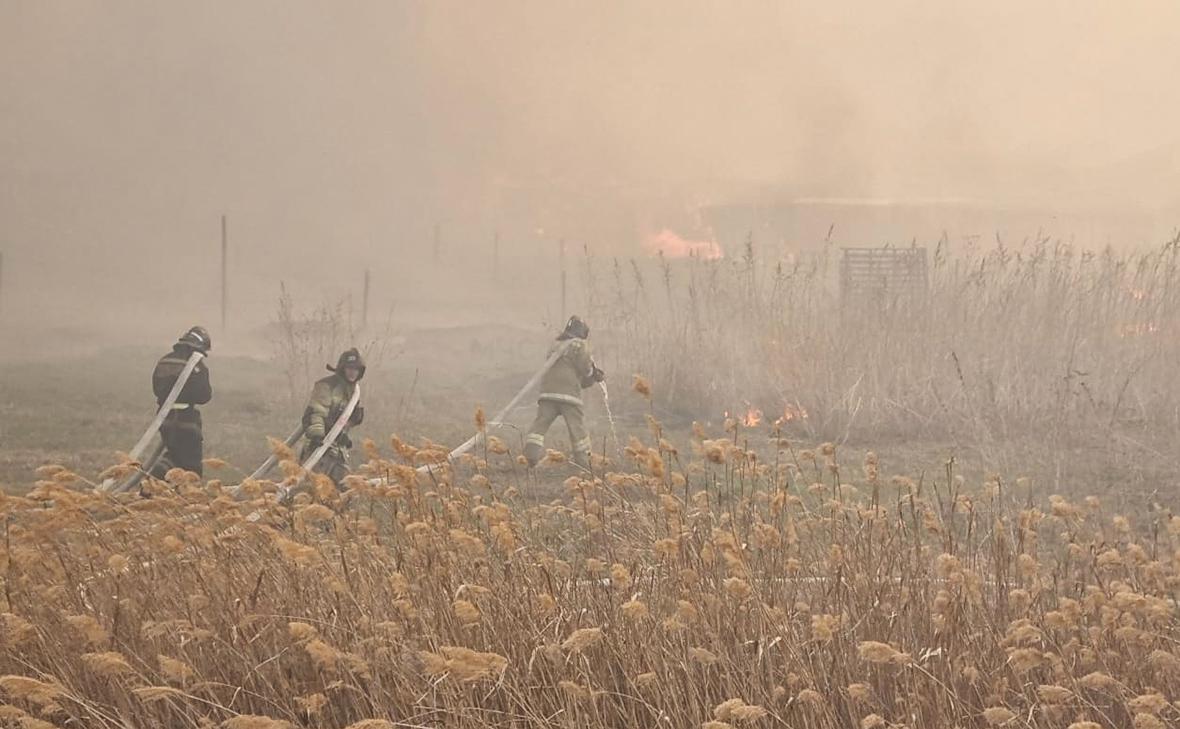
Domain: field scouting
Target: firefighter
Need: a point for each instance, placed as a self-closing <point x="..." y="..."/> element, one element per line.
<point x="181" y="429"/>
<point x="329" y="398"/>
<point x="561" y="394"/>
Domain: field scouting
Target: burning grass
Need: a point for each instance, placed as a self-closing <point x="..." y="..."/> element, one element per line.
<point x="697" y="584"/>
<point x="1042" y="340"/>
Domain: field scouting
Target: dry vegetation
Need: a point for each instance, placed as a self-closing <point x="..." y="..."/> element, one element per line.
<point x="303" y="340"/>
<point x="710" y="586"/>
<point x="750" y="577"/>
<point x="1041" y="338"/>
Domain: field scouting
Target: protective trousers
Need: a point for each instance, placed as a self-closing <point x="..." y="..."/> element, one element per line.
<point x="183" y="443"/>
<point x="547" y="412"/>
<point x="333" y="464"/>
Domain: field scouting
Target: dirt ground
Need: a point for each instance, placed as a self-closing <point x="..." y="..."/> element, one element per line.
<point x="78" y="410"/>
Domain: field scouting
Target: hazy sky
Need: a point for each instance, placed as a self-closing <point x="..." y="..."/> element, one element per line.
<point x="127" y="126"/>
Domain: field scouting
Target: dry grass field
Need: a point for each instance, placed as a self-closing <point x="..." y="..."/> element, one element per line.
<point x="959" y="516"/>
<point x="881" y="431"/>
<point x="694" y="584"/>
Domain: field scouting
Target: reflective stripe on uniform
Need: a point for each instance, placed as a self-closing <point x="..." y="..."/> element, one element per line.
<point x="181" y="406"/>
<point x="559" y="397"/>
<point x="536" y="439"/>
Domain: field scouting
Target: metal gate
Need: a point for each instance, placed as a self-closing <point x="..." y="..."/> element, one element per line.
<point x="884" y="275"/>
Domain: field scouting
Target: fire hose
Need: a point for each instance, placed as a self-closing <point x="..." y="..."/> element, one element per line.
<point x="332" y="434"/>
<point x="137" y="451"/>
<point x="270" y="462"/>
<point x="499" y="417"/>
<point x="338" y="426"/>
<point x="142" y="472"/>
<point x="329" y="441"/>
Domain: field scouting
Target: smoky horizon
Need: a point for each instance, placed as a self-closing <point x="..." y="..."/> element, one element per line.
<point x="540" y="363"/>
<point x="430" y="142"/>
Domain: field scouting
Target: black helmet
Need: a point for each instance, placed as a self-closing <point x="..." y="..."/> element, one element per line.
<point x="575" y="328"/>
<point x="349" y="358"/>
<point x="197" y="338"/>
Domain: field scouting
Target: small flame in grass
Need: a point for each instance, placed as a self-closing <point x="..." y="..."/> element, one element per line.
<point x="671" y="245"/>
<point x="792" y="412"/>
<point x="751" y="419"/>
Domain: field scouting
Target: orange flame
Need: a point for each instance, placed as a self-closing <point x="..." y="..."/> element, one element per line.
<point x="752" y="418"/>
<point x="792" y="412"/>
<point x="672" y="245"/>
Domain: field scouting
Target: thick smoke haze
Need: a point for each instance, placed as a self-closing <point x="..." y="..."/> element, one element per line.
<point x="340" y="136"/>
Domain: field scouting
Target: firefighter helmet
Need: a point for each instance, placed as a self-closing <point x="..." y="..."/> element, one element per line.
<point x="575" y="328"/>
<point x="197" y="338"/>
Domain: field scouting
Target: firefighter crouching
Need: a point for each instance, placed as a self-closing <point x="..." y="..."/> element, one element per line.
<point x="329" y="398"/>
<point x="561" y="394"/>
<point x="181" y="429"/>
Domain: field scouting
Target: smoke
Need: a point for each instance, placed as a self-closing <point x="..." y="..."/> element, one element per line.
<point x="355" y="130"/>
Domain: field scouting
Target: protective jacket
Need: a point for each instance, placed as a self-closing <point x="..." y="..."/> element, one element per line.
<point x="561" y="395"/>
<point x="196" y="391"/>
<point x="569" y="375"/>
<point x="181" y="430"/>
<point x="330" y="397"/>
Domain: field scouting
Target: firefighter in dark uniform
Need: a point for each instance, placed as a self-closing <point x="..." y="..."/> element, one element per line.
<point x="561" y="394"/>
<point x="181" y="429"/>
<point x="329" y="398"/>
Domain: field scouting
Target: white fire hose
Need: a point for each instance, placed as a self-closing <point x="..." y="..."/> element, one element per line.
<point x="269" y="463"/>
<point x="136" y="452"/>
<point x="329" y="441"/>
<point x="142" y="472"/>
<point x="343" y="419"/>
<point x="499" y="418"/>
